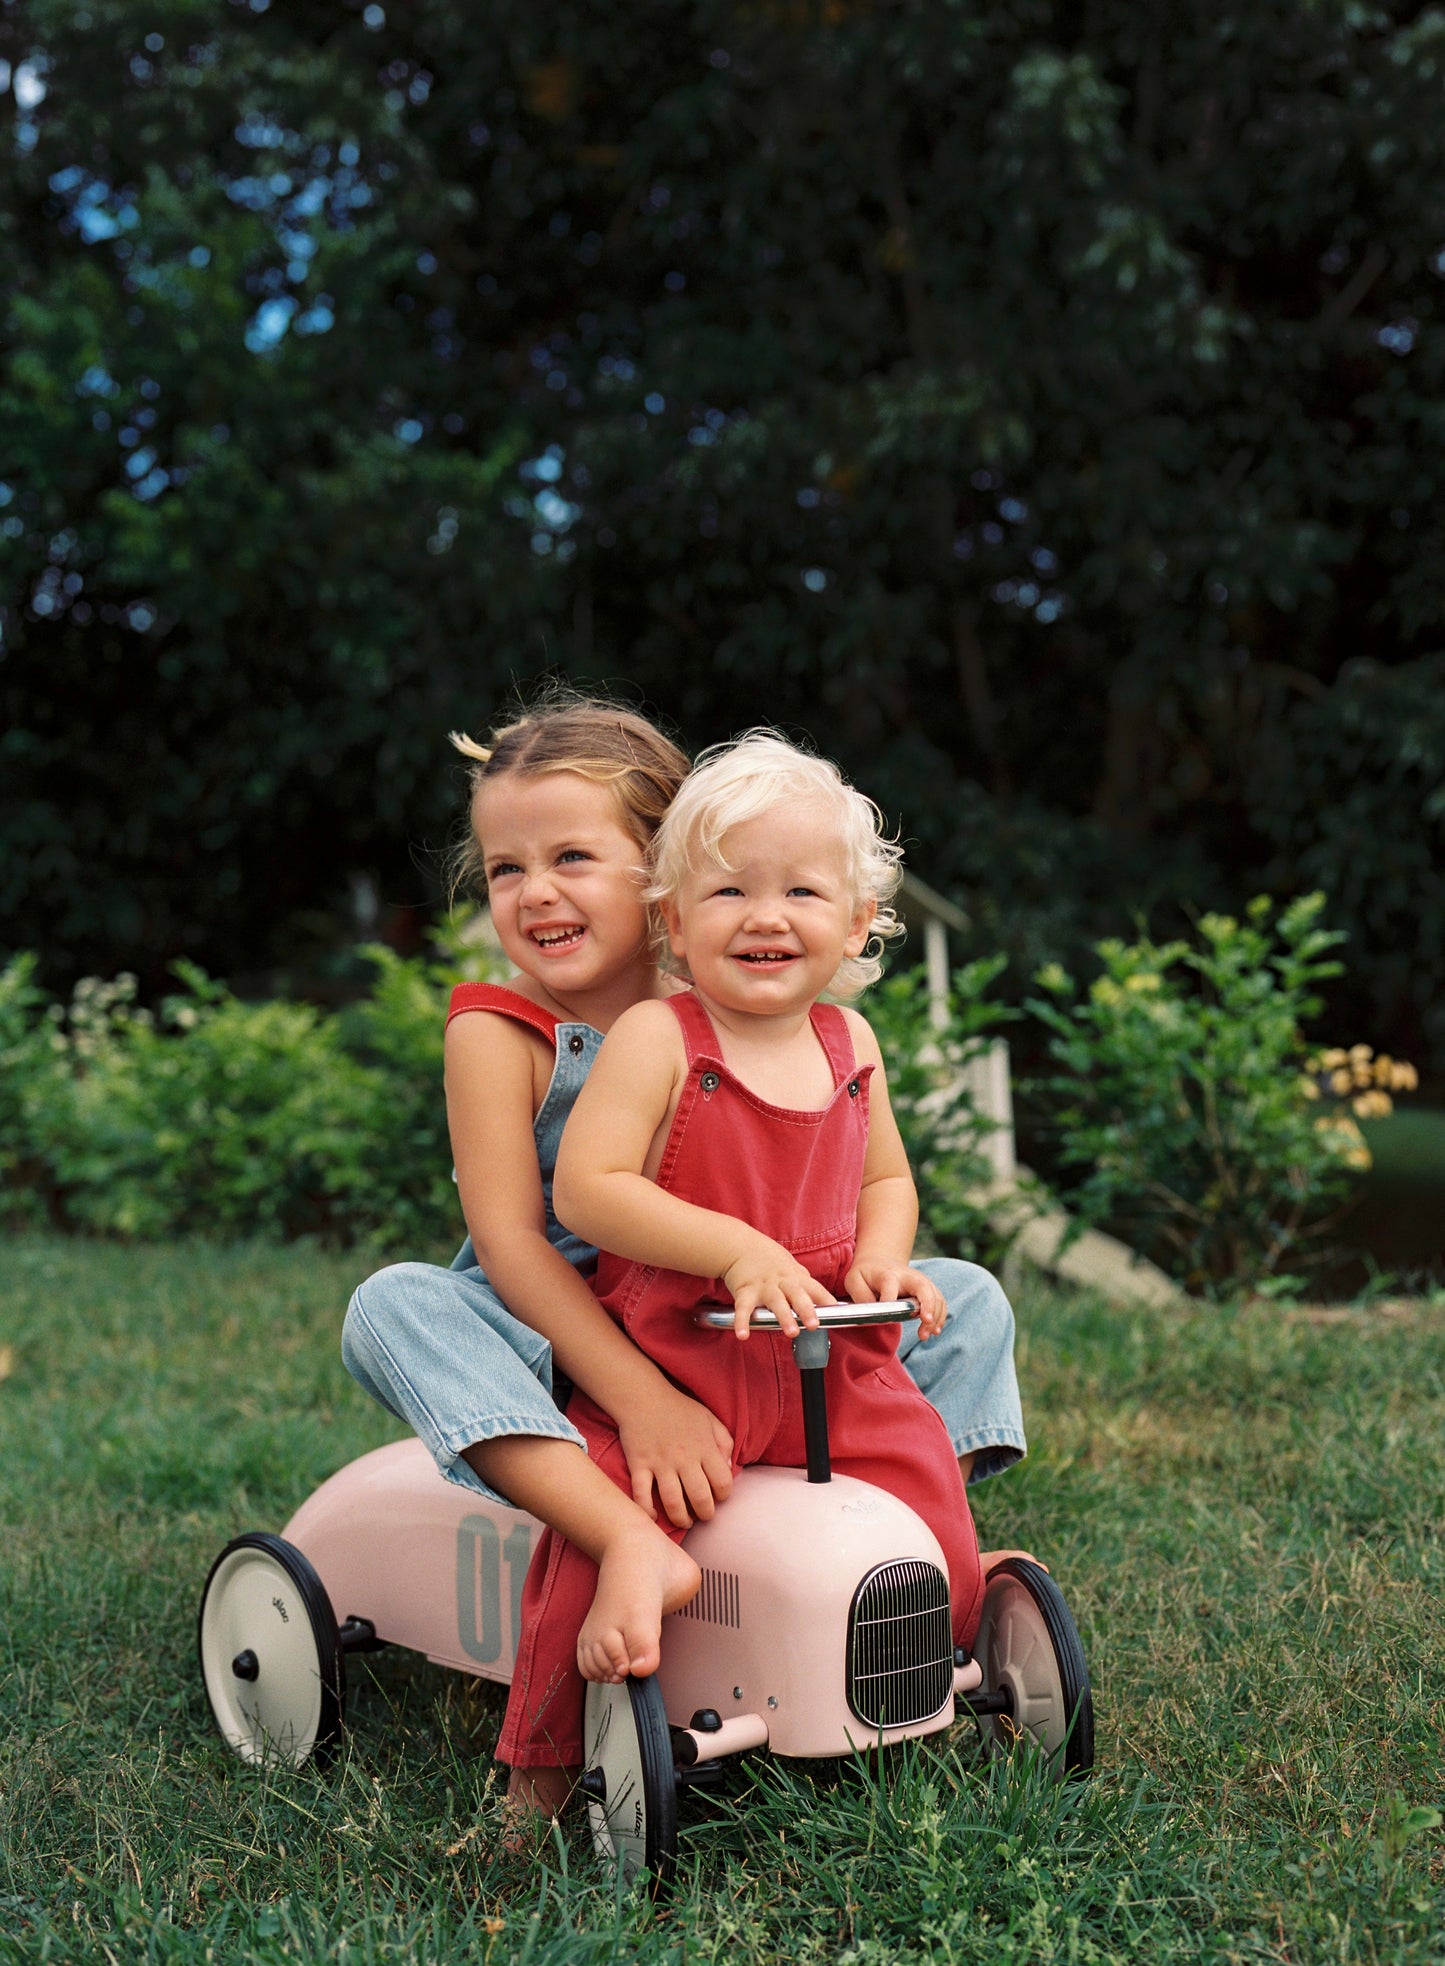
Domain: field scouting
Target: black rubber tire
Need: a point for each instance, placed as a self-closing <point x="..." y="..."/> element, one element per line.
<point x="627" y="1742"/>
<point x="263" y="1597"/>
<point x="1028" y="1642"/>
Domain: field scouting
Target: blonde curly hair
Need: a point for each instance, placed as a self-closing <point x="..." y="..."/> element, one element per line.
<point x="732" y="783"/>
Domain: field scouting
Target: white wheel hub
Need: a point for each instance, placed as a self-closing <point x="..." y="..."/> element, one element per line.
<point x="259" y="1659"/>
<point x="1019" y="1659"/>
<point x="618" y="1817"/>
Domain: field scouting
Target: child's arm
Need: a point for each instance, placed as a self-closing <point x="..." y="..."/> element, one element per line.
<point x="602" y="1192"/>
<point x="671" y="1442"/>
<point x="888" y="1204"/>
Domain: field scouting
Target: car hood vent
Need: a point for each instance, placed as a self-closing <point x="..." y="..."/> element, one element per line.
<point x="716" y="1602"/>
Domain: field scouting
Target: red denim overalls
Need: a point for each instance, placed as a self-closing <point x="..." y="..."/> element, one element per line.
<point x="796" y="1176"/>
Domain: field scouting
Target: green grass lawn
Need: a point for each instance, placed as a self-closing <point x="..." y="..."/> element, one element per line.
<point x="1244" y="1508"/>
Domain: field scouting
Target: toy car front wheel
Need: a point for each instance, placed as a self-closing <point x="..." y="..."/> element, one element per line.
<point x="629" y="1780"/>
<point x="1033" y="1666"/>
<point x="269" y="1652"/>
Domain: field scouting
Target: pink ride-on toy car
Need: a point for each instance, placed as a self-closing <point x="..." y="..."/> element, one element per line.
<point x="410" y="1559"/>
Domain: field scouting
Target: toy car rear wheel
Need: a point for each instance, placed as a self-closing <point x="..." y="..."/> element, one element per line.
<point x="1028" y="1646"/>
<point x="270" y="1657"/>
<point x="629" y="1780"/>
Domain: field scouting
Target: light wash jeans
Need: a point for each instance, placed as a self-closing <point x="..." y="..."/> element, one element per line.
<point x="440" y="1350"/>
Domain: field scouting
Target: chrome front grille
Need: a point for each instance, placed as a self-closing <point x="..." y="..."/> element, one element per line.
<point x="900" y="1645"/>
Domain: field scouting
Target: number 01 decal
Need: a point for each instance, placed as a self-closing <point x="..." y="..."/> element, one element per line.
<point x="480" y="1556"/>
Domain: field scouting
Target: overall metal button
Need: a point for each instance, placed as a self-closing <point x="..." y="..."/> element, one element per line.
<point x="575" y="1044"/>
<point x="852" y="1088"/>
<point x="709" y="1081"/>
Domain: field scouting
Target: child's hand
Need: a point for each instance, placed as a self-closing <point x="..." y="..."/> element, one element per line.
<point x="675" y="1447"/>
<point x="767" y="1277"/>
<point x="879" y="1280"/>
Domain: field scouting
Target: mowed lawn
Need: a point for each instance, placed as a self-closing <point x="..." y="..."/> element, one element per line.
<point x="1244" y="1509"/>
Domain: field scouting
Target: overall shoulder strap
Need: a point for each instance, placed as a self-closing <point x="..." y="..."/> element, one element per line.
<point x="506" y="1003"/>
<point x="831" y="1028"/>
<point x="697" y="1031"/>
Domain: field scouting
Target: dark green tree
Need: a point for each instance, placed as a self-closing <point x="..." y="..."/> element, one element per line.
<point x="1037" y="402"/>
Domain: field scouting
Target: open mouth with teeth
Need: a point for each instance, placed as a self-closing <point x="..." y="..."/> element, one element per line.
<point x="555" y="940"/>
<point x="760" y="957"/>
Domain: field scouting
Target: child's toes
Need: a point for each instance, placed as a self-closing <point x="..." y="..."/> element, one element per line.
<point x="602" y="1656"/>
<point x="644" y="1657"/>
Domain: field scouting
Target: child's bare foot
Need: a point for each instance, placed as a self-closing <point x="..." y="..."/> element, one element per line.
<point x="642" y="1576"/>
<point x="534" y="1797"/>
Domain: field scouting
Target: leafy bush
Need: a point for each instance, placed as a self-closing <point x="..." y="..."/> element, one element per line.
<point x="398" y="1164"/>
<point x="229" y="1118"/>
<point x="214" y="1116"/>
<point x="32" y="1077"/>
<point x="1182" y="1088"/>
<point x="944" y="1132"/>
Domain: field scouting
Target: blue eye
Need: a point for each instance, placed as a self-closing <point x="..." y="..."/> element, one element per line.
<point x="574" y="853"/>
<point x="502" y="867"/>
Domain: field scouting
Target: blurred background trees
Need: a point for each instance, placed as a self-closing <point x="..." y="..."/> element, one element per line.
<point x="1040" y="404"/>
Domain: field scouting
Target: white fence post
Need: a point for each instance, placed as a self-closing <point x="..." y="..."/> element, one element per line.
<point x="986" y="1076"/>
<point x="989" y="1086"/>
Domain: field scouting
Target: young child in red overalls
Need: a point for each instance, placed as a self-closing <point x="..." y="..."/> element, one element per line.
<point x="736" y="1140"/>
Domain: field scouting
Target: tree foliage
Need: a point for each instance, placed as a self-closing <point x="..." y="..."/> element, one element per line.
<point x="1040" y="403"/>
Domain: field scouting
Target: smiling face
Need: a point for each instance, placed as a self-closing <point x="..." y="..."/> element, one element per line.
<point x="564" y="880"/>
<point x="765" y="934"/>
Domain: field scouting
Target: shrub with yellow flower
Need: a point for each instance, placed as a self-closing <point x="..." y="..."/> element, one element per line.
<point x="1204" y="1127"/>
